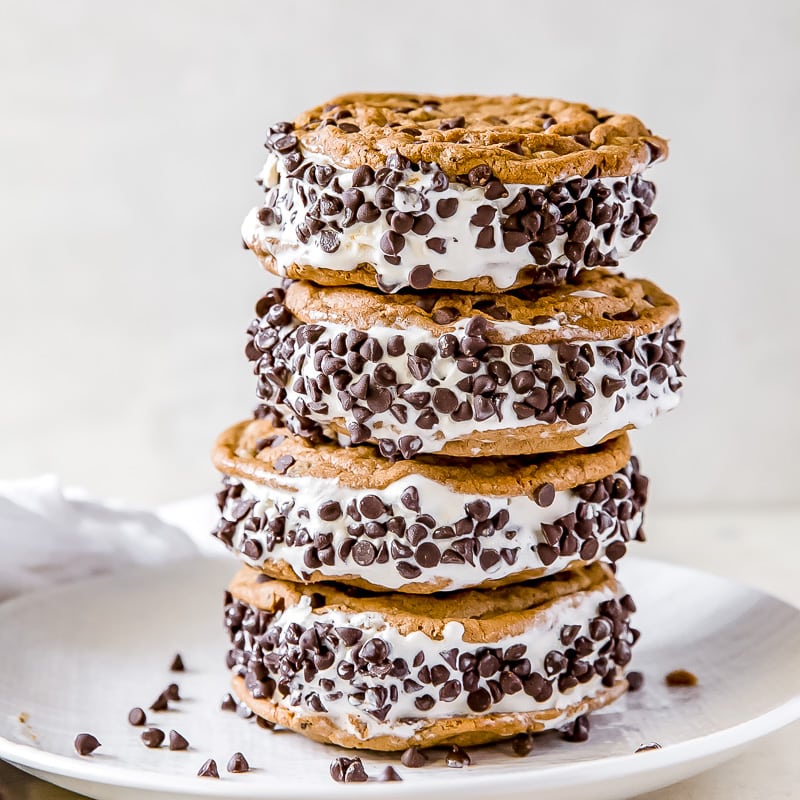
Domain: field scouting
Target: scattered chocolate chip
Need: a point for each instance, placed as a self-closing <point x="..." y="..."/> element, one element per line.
<point x="635" y="681"/>
<point x="680" y="677"/>
<point x="522" y="744"/>
<point x="152" y="737"/>
<point x="177" y="664"/>
<point x="238" y="763"/>
<point x="389" y="774"/>
<point x="86" y="744"/>
<point x="228" y="703"/>
<point x="413" y="758"/>
<point x="161" y="703"/>
<point x="177" y="742"/>
<point x="209" y="769"/>
<point x="137" y="717"/>
<point x="172" y="692"/>
<point x="457" y="757"/>
<point x="577" y="730"/>
<point x="348" y="770"/>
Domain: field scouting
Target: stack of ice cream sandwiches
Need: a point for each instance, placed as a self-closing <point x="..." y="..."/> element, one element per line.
<point x="437" y="485"/>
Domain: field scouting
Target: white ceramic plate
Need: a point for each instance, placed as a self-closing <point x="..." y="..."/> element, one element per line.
<point x="77" y="658"/>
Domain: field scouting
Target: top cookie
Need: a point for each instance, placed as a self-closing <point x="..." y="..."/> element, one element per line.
<point x="531" y="140"/>
<point x="472" y="193"/>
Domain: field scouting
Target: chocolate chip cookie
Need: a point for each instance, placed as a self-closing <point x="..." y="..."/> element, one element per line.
<point x="315" y="513"/>
<point x="468" y="374"/>
<point x="386" y="671"/>
<point x="475" y="193"/>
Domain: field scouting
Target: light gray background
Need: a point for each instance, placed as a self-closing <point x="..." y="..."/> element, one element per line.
<point x="131" y="133"/>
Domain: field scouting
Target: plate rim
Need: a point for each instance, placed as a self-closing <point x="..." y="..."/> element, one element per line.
<point x="609" y="768"/>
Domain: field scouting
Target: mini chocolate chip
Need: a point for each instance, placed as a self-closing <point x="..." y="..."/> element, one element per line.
<point x="177" y="664"/>
<point x="368" y="212"/>
<point x="374" y="651"/>
<point x="680" y="677"/>
<point x="485" y="238"/>
<point x="444" y="316"/>
<point x="209" y="769"/>
<point x="422" y="224"/>
<point x="600" y="628"/>
<point x="407" y="570"/>
<point x="389" y="774"/>
<point x="479" y="510"/>
<point x="329" y="511"/>
<point x="449" y="124"/>
<point x="483" y="216"/>
<point x="152" y="737"/>
<point x="371" y="506"/>
<point x="363" y="176"/>
<point x="554" y="662"/>
<point x="392" y="243"/>
<point x="86" y="744"/>
<point x="568" y="634"/>
<point x="420" y="276"/>
<point x="427" y="555"/>
<point x="177" y="742"/>
<point x="446" y="207"/>
<point x="137" y="717"/>
<point x="283" y="463"/>
<point x="577" y="730"/>
<point x="400" y="221"/>
<point x="384" y="197"/>
<point x="410" y="498"/>
<point x="395" y="346"/>
<point x="522" y="744"/>
<point x="480" y="175"/>
<point x="424" y="703"/>
<point x="413" y="758"/>
<point x="445" y="401"/>
<point x="363" y="553"/>
<point x="457" y="757"/>
<point x="227" y="704"/>
<point x="479" y="700"/>
<point x="635" y="681"/>
<point x="238" y="763"/>
<point x="350" y="636"/>
<point x="419" y="367"/>
<point x="173" y="692"/>
<point x="161" y="703"/>
<point x="544" y="495"/>
<point x="578" y="413"/>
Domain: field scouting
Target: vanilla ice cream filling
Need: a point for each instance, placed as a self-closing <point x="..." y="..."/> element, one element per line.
<point x="283" y="523"/>
<point x="371" y="702"/>
<point x="629" y="404"/>
<point x="458" y="247"/>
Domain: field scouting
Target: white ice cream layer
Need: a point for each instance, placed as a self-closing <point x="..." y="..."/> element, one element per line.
<point x="461" y="261"/>
<point x="603" y="420"/>
<point x="351" y="714"/>
<point x="299" y="501"/>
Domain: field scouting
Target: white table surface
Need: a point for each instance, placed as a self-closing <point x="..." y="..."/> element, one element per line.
<point x="762" y="550"/>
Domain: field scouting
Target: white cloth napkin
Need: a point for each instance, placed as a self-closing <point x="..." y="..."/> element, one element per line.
<point x="50" y="535"/>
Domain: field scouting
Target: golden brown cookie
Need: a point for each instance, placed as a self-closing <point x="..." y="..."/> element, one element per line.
<point x="468" y="375"/>
<point x="386" y="671"/>
<point x="318" y="513"/>
<point x="472" y="193"/>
